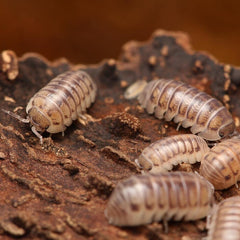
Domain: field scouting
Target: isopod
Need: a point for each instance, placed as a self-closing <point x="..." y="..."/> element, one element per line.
<point x="221" y="165"/>
<point x="143" y="199"/>
<point x="163" y="154"/>
<point x="225" y="220"/>
<point x="135" y="89"/>
<point x="62" y="100"/>
<point x="187" y="106"/>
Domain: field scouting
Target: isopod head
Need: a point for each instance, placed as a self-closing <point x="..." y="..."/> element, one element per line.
<point x="144" y="163"/>
<point x="226" y="130"/>
<point x="38" y="120"/>
<point x="220" y="126"/>
<point x="118" y="203"/>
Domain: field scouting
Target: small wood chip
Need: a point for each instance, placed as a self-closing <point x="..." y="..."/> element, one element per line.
<point x="12" y="229"/>
<point x="9" y="99"/>
<point x="123" y="83"/>
<point x="237" y="121"/>
<point x="227" y="84"/>
<point x="164" y="50"/>
<point x="9" y="64"/>
<point x="152" y="60"/>
<point x="108" y="100"/>
<point x="186" y="238"/>
<point x="17" y="108"/>
<point x="2" y="155"/>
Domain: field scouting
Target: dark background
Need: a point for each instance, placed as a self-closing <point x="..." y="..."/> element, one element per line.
<point x="89" y="31"/>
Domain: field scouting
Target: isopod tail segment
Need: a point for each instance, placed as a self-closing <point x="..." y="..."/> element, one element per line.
<point x="25" y="120"/>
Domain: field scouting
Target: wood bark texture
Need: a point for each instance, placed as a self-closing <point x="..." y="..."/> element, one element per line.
<point x="60" y="190"/>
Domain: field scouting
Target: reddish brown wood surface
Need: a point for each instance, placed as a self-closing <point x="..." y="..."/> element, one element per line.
<point x="60" y="190"/>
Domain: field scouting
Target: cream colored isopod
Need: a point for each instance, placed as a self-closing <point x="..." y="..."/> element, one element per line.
<point x="150" y="198"/>
<point x="62" y="100"/>
<point x="187" y="106"/>
<point x="163" y="154"/>
<point x="224" y="222"/>
<point x="221" y="165"/>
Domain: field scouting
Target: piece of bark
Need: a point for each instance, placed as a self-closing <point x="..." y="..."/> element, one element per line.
<point x="60" y="190"/>
<point x="8" y="64"/>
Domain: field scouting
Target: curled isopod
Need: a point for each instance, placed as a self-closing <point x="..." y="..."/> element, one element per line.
<point x="62" y="100"/>
<point x="143" y="199"/>
<point x="221" y="165"/>
<point x="163" y="154"/>
<point x="224" y="222"/>
<point x="187" y="106"/>
<point x="135" y="89"/>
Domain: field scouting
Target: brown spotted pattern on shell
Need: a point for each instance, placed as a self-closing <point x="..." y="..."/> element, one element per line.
<point x="225" y="220"/>
<point x="221" y="165"/>
<point x="62" y="100"/>
<point x="187" y="106"/>
<point x="163" y="154"/>
<point x="150" y="198"/>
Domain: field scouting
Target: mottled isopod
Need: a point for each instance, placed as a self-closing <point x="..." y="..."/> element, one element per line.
<point x="221" y="165"/>
<point x="163" y="154"/>
<point x="224" y="222"/>
<point x="62" y="100"/>
<point x="189" y="107"/>
<point x="148" y="198"/>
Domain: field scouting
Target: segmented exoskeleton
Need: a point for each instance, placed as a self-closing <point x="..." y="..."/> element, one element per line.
<point x="225" y="220"/>
<point x="148" y="198"/>
<point x="163" y="154"/>
<point x="221" y="165"/>
<point x="62" y="100"/>
<point x="187" y="106"/>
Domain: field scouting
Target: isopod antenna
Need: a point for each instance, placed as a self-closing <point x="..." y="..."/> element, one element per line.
<point x="24" y="120"/>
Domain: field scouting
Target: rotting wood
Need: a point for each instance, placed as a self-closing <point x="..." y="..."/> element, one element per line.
<point x="60" y="191"/>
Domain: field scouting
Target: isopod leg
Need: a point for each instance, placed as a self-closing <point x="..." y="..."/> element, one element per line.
<point x="165" y="225"/>
<point x="85" y="118"/>
<point x="37" y="134"/>
<point x="82" y="119"/>
<point x="179" y="125"/>
<point x="209" y="219"/>
<point x="137" y="163"/>
<point x="235" y="135"/>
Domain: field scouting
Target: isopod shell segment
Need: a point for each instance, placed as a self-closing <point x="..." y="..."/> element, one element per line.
<point x="221" y="165"/>
<point x="143" y="199"/>
<point x="62" y="100"/>
<point x="225" y="220"/>
<point x="163" y="154"/>
<point x="187" y="106"/>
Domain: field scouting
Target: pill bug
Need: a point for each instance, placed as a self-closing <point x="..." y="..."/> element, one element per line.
<point x="221" y="165"/>
<point x="135" y="89"/>
<point x="187" y="106"/>
<point x="62" y="100"/>
<point x="143" y="199"/>
<point x="225" y="220"/>
<point x="163" y="154"/>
